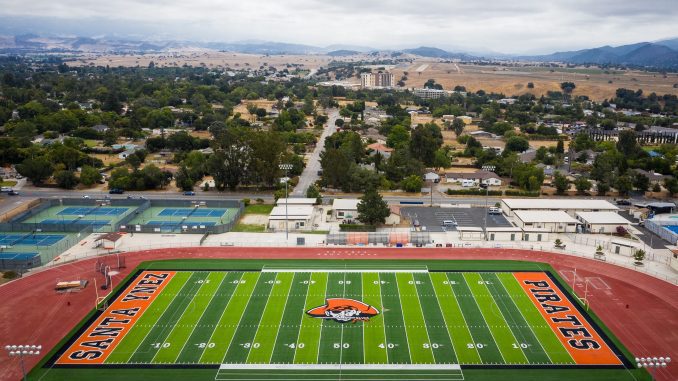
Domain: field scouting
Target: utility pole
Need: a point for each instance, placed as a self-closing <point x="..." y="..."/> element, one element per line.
<point x="286" y="168"/>
<point x="487" y="168"/>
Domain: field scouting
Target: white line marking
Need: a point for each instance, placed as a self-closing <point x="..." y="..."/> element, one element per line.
<point x="201" y="315"/>
<point x="223" y="313"/>
<point x="340" y="366"/>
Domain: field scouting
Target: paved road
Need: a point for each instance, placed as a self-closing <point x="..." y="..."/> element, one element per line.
<point x="310" y="173"/>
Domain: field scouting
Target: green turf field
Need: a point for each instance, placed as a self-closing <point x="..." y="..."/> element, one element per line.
<point x="400" y="321"/>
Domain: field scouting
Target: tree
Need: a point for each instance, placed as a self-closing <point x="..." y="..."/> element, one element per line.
<point x="560" y="147"/>
<point x="624" y="185"/>
<point x="313" y="192"/>
<point x="582" y="184"/>
<point x="641" y="182"/>
<point x="66" y="179"/>
<point x="560" y="182"/>
<point x="458" y="126"/>
<point x="426" y="139"/>
<point x="372" y="209"/>
<point x="336" y="165"/>
<point x="183" y="179"/>
<point x="412" y="183"/>
<point x="441" y="159"/>
<point x="517" y="144"/>
<point x="89" y="176"/>
<point x="36" y="170"/>
<point x="627" y="143"/>
<point x="639" y="256"/>
<point x="671" y="185"/>
<point x="602" y="188"/>
<point x="398" y="137"/>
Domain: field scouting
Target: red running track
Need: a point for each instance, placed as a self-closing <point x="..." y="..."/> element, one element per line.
<point x="33" y="313"/>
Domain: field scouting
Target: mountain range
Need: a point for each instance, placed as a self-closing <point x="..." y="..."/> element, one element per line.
<point x="659" y="54"/>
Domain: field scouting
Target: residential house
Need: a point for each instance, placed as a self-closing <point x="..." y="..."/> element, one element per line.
<point x="382" y="149"/>
<point x="479" y="177"/>
<point x="432" y="177"/>
<point x="345" y="208"/>
<point x="101" y="128"/>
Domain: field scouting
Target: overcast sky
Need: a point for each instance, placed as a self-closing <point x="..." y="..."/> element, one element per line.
<point x="518" y="26"/>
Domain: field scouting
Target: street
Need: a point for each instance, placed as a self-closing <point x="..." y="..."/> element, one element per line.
<point x="310" y="173"/>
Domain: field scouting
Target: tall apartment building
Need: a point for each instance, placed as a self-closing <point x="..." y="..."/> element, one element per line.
<point x="379" y="79"/>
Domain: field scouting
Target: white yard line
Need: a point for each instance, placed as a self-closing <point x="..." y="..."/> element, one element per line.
<point x="161" y="315"/>
<point x="275" y="341"/>
<point x="443" y="315"/>
<point x="201" y="315"/>
<point x="526" y="322"/>
<point x="235" y="291"/>
<point x="268" y="298"/>
<point x="301" y="321"/>
<point x="203" y="284"/>
<point x="381" y="300"/>
<point x="409" y="347"/>
<point x="494" y="341"/>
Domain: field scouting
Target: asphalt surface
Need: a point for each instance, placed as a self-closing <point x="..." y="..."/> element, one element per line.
<point x="310" y="173"/>
<point x="432" y="218"/>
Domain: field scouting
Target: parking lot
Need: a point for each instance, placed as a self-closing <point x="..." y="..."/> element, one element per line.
<point x="432" y="218"/>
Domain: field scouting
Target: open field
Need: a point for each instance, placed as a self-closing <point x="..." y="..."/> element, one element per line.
<point x="513" y="81"/>
<point x="305" y="320"/>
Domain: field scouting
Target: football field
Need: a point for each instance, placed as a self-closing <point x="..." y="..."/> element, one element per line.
<point x="318" y="323"/>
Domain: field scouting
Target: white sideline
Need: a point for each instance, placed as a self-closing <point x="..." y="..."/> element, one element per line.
<point x="283" y="270"/>
<point x="340" y="367"/>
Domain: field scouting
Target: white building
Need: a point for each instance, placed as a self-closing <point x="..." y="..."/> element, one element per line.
<point x="504" y="233"/>
<point x="552" y="221"/>
<point x="602" y="222"/>
<point x="427" y="93"/>
<point x="484" y="177"/>
<point x="291" y="217"/>
<point x="296" y="201"/>
<point x="345" y="208"/>
<point x="569" y="205"/>
<point x="376" y="80"/>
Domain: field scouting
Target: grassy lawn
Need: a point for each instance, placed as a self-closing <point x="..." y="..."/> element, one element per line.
<point x="8" y="183"/>
<point x="91" y="143"/>
<point x="249" y="228"/>
<point x="258" y="209"/>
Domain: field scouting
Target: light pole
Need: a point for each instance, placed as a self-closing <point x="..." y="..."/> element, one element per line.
<point x="652" y="362"/>
<point x="286" y="168"/>
<point x="486" y="168"/>
<point x="21" y="351"/>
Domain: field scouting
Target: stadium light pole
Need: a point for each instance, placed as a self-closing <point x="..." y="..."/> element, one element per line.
<point x="487" y="168"/>
<point x="651" y="363"/>
<point x="23" y="350"/>
<point x="286" y="168"/>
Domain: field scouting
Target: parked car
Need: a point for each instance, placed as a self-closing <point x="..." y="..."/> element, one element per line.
<point x="623" y="202"/>
<point x="189" y="193"/>
<point x="494" y="210"/>
<point x="116" y="191"/>
<point x="5" y="189"/>
<point x="13" y="193"/>
<point x="85" y="196"/>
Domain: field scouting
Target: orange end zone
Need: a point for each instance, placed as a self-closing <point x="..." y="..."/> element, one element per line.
<point x="574" y="331"/>
<point x="104" y="334"/>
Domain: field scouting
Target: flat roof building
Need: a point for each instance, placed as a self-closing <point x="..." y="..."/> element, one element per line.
<point x="569" y="205"/>
<point x="601" y="222"/>
<point x="292" y="217"/>
<point x="553" y="221"/>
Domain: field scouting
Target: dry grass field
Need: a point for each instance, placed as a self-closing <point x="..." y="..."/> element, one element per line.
<point x="595" y="83"/>
<point x="598" y="84"/>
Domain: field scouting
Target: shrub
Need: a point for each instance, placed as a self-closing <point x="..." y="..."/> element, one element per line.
<point x="357" y="228"/>
<point x="246" y="201"/>
<point x="11" y="274"/>
<point x="260" y="201"/>
<point x="621" y="231"/>
<point x="521" y="193"/>
<point x="472" y="192"/>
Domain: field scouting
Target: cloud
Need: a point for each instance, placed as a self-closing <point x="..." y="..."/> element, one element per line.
<point x="498" y="25"/>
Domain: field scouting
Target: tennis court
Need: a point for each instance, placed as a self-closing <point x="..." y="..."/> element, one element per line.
<point x="30" y="239"/>
<point x="96" y="211"/>
<point x="184" y="219"/>
<point x="196" y="212"/>
<point x="100" y="217"/>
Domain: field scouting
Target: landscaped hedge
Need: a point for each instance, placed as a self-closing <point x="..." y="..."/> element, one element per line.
<point x="521" y="193"/>
<point x="357" y="228"/>
<point x="472" y="192"/>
